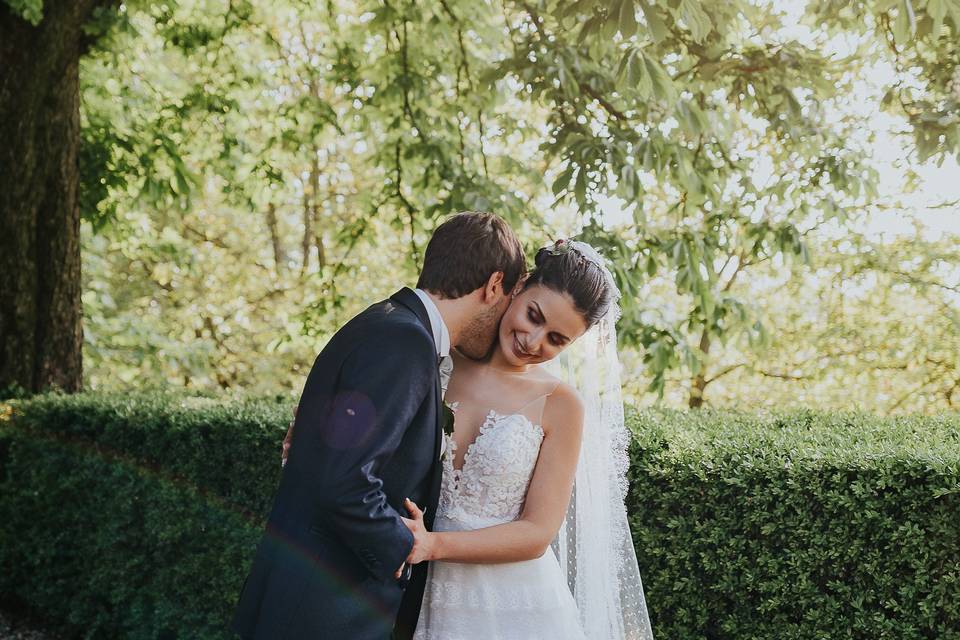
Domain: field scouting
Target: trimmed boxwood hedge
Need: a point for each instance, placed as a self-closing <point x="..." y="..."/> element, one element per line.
<point x="798" y="525"/>
<point x="137" y="516"/>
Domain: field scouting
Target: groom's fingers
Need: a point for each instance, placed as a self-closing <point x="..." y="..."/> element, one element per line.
<point x="413" y="508"/>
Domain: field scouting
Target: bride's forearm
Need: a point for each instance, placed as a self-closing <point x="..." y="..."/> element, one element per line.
<point x="510" y="542"/>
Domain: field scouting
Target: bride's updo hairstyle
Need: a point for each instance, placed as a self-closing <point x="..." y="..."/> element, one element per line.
<point x="562" y="268"/>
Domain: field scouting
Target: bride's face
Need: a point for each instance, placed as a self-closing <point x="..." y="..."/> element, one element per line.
<point x="538" y="325"/>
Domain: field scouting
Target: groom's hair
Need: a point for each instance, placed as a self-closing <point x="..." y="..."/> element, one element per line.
<point x="466" y="250"/>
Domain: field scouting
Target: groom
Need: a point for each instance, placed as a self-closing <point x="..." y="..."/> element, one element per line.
<point x="367" y="435"/>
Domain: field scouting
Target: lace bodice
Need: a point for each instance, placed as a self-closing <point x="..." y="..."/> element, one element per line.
<point x="492" y="485"/>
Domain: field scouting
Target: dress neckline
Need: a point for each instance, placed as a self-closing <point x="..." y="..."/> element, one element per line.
<point x="493" y="418"/>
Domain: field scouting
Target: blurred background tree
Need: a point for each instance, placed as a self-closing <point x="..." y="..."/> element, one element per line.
<point x="251" y="174"/>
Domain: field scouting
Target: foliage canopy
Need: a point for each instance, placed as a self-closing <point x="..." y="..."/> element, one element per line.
<point x="252" y="170"/>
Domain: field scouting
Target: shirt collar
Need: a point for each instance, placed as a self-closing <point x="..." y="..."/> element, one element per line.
<point x="441" y="336"/>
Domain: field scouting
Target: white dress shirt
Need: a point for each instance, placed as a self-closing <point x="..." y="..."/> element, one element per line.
<point x="441" y="336"/>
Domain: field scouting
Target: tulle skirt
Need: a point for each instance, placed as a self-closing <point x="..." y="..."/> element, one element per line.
<point x="510" y="601"/>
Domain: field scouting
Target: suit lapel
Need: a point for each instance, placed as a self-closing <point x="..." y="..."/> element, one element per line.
<point x="409" y="612"/>
<point x="408" y="298"/>
<point x="437" y="467"/>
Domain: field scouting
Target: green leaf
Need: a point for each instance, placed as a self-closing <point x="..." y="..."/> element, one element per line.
<point x="568" y="80"/>
<point x="610" y="27"/>
<point x="696" y="19"/>
<point x="707" y="302"/>
<point x="575" y="8"/>
<point x="563" y="180"/>
<point x="661" y="83"/>
<point x="637" y="75"/>
<point x="29" y="10"/>
<point x="953" y="8"/>
<point x="911" y="14"/>
<point x="624" y="61"/>
<point x="628" y="182"/>
<point x="628" y="19"/>
<point x="588" y="27"/>
<point x="580" y="187"/>
<point x="690" y="123"/>
<point x="905" y="26"/>
<point x="888" y="97"/>
<point x="180" y="185"/>
<point x="655" y="24"/>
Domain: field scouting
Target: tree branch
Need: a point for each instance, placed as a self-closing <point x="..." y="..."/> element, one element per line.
<point x="217" y="242"/>
<point x="410" y="209"/>
<point x="725" y="371"/>
<point x="609" y="108"/>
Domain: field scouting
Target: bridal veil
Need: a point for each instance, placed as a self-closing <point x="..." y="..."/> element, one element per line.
<point x="594" y="546"/>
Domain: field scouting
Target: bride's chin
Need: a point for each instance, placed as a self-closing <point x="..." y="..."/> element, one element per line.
<point x="506" y="350"/>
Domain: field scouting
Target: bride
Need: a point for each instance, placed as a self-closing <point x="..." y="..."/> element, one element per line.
<point x="531" y="538"/>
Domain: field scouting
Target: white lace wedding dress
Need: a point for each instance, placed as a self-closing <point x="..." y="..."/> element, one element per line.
<point x="507" y="601"/>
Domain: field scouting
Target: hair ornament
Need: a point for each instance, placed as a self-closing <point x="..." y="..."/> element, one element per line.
<point x="591" y="255"/>
<point x="559" y="248"/>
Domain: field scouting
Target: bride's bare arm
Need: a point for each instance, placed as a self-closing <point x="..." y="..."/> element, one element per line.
<point x="544" y="509"/>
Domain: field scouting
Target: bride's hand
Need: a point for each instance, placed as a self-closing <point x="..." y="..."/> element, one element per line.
<point x="423" y="540"/>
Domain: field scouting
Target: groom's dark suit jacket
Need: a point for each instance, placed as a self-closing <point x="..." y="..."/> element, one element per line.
<point x="367" y="435"/>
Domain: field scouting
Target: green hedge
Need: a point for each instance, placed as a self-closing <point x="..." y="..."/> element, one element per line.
<point x="137" y="517"/>
<point x="799" y="525"/>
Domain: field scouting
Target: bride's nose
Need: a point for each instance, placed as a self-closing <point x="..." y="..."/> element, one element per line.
<point x="533" y="341"/>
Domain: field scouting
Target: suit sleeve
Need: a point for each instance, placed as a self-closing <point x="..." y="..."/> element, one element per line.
<point x="382" y="385"/>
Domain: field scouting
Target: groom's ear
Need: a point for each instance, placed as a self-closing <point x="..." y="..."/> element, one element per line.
<point x="493" y="290"/>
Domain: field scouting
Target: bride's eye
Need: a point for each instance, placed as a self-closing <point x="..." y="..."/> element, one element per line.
<point x="532" y="316"/>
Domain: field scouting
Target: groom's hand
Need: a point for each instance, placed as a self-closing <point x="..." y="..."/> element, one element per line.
<point x="417" y="514"/>
<point x="287" y="440"/>
<point x="422" y="539"/>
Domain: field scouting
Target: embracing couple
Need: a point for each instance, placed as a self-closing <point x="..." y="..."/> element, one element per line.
<point x="449" y="476"/>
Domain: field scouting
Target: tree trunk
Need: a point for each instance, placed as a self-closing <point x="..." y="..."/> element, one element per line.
<point x="307" y="243"/>
<point x="278" y="257"/>
<point x="310" y="195"/>
<point x="315" y="207"/>
<point x="699" y="383"/>
<point x="40" y="313"/>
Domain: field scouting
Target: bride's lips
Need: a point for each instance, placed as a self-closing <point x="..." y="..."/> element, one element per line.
<point x="518" y="350"/>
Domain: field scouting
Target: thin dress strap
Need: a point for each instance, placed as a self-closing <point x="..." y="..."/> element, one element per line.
<point x="543" y="399"/>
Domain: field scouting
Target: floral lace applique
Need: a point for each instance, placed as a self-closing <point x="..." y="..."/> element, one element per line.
<point x="496" y="470"/>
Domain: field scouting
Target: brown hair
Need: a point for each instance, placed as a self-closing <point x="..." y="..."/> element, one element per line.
<point x="466" y="250"/>
<point x="571" y="273"/>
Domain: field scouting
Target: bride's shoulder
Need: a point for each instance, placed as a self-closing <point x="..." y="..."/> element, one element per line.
<point x="564" y="406"/>
<point x="565" y="396"/>
<point x="555" y="389"/>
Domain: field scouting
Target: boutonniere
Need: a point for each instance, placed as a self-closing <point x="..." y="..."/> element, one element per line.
<point x="446" y="420"/>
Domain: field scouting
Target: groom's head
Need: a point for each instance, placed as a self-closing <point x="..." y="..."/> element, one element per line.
<point x="474" y="257"/>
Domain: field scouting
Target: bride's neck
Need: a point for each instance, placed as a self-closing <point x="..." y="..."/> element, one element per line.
<point x="499" y="362"/>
